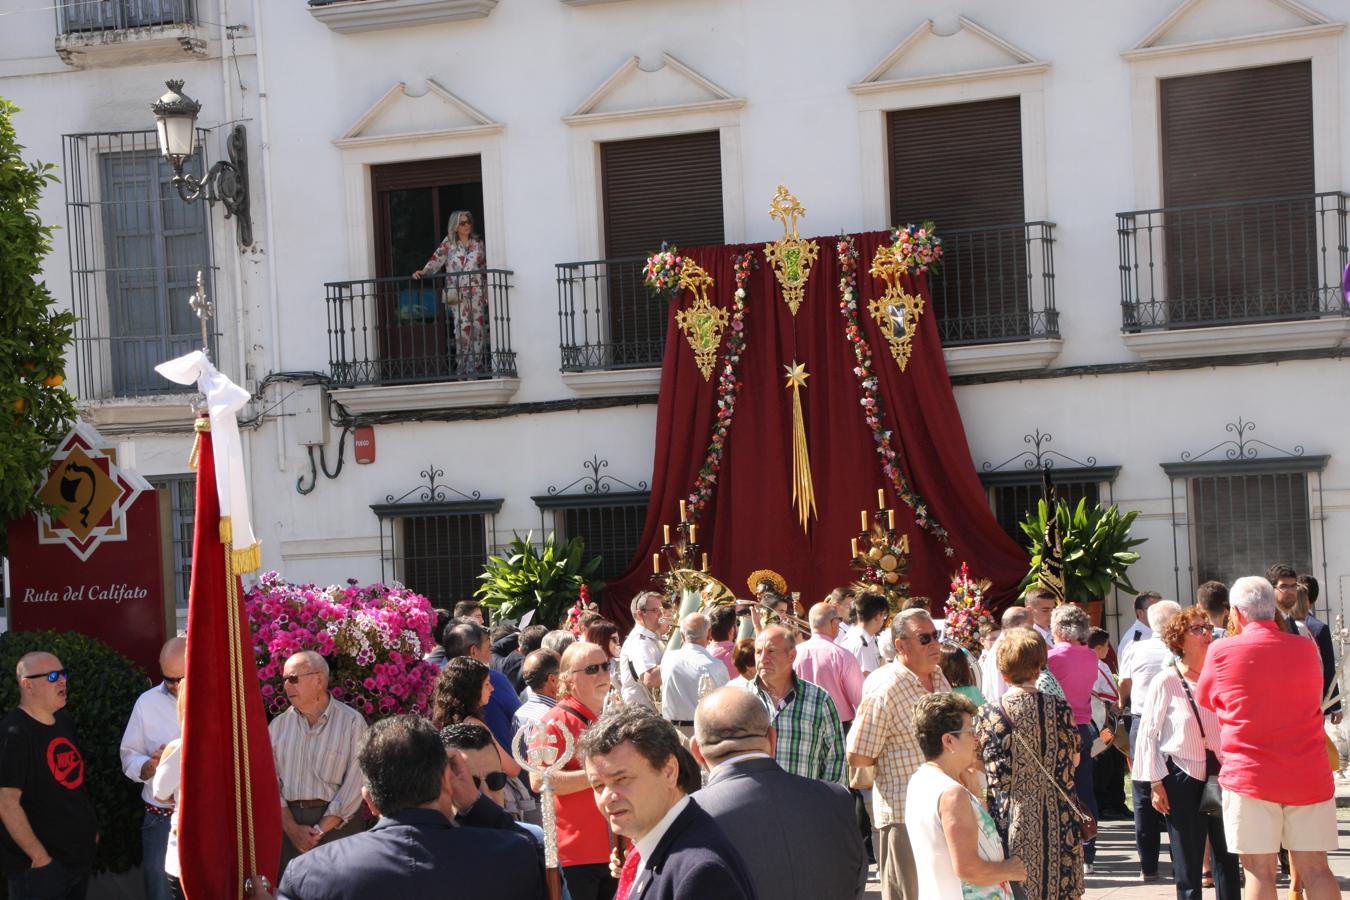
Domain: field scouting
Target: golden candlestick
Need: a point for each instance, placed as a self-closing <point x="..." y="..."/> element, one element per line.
<point x="682" y="511"/>
<point x="656" y="563"/>
<point x="890" y="519"/>
<point x="863" y="516"/>
<point x="881" y="498"/>
<point x="855" y="546"/>
<point x="666" y="529"/>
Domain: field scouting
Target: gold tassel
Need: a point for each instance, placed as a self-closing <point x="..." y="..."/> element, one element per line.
<point x="201" y="424"/>
<point x="248" y="559"/>
<point x="803" y="490"/>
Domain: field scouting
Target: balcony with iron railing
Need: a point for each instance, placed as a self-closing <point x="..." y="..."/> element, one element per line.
<point x="104" y="32"/>
<point x="442" y="330"/>
<point x="1273" y="262"/>
<point x="607" y="319"/>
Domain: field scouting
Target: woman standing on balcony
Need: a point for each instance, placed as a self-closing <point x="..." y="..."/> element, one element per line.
<point x="462" y="252"/>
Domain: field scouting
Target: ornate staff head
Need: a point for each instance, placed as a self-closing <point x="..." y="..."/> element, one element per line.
<point x="537" y="755"/>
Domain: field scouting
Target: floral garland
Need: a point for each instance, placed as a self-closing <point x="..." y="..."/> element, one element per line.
<point x="967" y="618"/>
<point x="728" y="386"/>
<point x="917" y="248"/>
<point x="873" y="413"/>
<point x="662" y="271"/>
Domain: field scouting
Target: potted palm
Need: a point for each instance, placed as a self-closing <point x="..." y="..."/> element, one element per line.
<point x="1096" y="550"/>
<point x="545" y="581"/>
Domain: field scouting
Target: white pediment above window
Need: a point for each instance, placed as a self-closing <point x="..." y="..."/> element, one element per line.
<point x="401" y="115"/>
<point x="1211" y="24"/>
<point x="927" y="56"/>
<point x="633" y="92"/>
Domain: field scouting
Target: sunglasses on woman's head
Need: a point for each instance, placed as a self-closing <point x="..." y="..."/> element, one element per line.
<point x="495" y="781"/>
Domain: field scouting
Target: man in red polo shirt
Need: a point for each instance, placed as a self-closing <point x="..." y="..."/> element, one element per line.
<point x="1266" y="686"/>
<point x="583" y="835"/>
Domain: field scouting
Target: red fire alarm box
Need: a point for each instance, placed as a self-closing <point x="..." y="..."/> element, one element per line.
<point x="363" y="441"/>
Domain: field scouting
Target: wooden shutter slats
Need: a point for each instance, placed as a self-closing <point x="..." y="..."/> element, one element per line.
<point x="666" y="188"/>
<point x="426" y="173"/>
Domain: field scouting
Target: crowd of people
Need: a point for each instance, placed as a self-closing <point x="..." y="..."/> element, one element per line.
<point x="782" y="764"/>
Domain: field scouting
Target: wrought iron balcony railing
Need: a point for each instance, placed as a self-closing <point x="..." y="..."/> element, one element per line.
<point x="996" y="284"/>
<point x="606" y="318"/>
<point x="1275" y="259"/>
<point x="115" y="15"/>
<point x="385" y="331"/>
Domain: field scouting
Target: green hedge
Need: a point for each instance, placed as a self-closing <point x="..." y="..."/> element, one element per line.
<point x="104" y="686"/>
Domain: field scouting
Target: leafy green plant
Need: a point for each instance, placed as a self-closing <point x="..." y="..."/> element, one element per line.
<point x="547" y="580"/>
<point x="35" y="410"/>
<point x="104" y="686"/>
<point x="1095" y="543"/>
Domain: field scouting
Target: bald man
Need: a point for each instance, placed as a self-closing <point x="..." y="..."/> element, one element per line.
<point x="153" y="723"/>
<point x="821" y="661"/>
<point x="683" y="672"/>
<point x="798" y="836"/>
<point x="50" y="832"/>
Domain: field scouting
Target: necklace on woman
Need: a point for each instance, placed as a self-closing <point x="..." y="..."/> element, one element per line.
<point x="1028" y="687"/>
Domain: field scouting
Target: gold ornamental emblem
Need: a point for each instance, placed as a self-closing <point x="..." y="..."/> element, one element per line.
<point x="896" y="311"/>
<point x="790" y="257"/>
<point x="702" y="323"/>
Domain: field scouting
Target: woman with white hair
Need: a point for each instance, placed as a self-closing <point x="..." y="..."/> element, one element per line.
<point x="464" y="294"/>
<point x="1074" y="665"/>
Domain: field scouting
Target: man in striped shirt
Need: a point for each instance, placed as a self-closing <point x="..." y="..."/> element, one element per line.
<point x="810" y="737"/>
<point x="314" y="745"/>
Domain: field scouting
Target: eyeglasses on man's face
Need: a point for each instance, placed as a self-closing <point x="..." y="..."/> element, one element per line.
<point x="52" y="677"/>
<point x="168" y="679"/>
<point x="495" y="781"/>
<point x="295" y="679"/>
<point x="592" y="669"/>
<point x="924" y="637"/>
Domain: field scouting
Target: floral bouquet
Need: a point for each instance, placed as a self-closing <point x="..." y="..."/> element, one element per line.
<point x="967" y="617"/>
<point x="918" y="248"/>
<point x="583" y="605"/>
<point x="662" y="272"/>
<point x="373" y="638"/>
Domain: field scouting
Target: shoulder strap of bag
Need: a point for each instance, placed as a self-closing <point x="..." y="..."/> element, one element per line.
<point x="1191" y="699"/>
<point x="578" y="714"/>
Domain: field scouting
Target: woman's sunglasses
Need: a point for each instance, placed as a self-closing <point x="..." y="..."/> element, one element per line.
<point x="495" y="781"/>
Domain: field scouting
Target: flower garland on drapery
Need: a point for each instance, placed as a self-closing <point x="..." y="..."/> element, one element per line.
<point x="728" y="386"/>
<point x="873" y="412"/>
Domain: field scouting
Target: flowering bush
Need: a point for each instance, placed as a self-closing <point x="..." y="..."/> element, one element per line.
<point x="372" y="636"/>
<point x="967" y="616"/>
<point x="917" y="248"/>
<point x="662" y="272"/>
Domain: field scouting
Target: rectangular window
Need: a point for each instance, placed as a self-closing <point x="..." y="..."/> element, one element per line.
<point x="653" y="189"/>
<point x="441" y="556"/>
<point x="610" y="532"/>
<point x="1241" y="524"/>
<point x="1240" y="237"/>
<point x="970" y="159"/>
<point x="105" y="15"/>
<point x="182" y="507"/>
<point x="1013" y="502"/>
<point x="135" y="250"/>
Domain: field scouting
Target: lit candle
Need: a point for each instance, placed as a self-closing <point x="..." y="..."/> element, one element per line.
<point x="656" y="563"/>
<point x="881" y="497"/>
<point x="863" y="515"/>
<point x="705" y="562"/>
<point x="667" y="533"/>
<point x="855" y="546"/>
<point x="681" y="510"/>
<point x="890" y="519"/>
<point x="692" y="529"/>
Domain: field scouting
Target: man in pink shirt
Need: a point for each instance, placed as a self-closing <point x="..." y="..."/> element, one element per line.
<point x="825" y="664"/>
<point x="721" y="643"/>
<point x="1266" y="686"/>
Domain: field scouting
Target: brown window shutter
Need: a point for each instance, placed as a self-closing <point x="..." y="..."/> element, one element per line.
<point x="657" y="189"/>
<point x="1230" y="137"/>
<point x="426" y="173"/>
<point x="960" y="166"/>
<point x="661" y="189"/>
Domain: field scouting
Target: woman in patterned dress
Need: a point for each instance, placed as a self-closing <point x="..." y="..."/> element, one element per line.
<point x="1035" y="821"/>
<point x="465" y="295"/>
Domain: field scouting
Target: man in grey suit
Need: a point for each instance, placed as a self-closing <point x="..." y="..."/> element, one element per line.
<point x="798" y="836"/>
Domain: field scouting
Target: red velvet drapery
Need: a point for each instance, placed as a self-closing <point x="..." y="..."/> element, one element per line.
<point x="751" y="522"/>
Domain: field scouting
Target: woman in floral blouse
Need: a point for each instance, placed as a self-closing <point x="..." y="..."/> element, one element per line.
<point x="465" y="295"/>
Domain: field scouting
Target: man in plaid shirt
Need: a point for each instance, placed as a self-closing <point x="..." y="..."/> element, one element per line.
<point x="883" y="736"/>
<point x="810" y="738"/>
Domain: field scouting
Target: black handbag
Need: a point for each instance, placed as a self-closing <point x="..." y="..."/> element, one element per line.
<point x="1211" y="796"/>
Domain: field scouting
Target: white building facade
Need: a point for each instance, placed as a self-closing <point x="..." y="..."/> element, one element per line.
<point x="1144" y="208"/>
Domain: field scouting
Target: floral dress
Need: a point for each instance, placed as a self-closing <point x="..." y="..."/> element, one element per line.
<point x="1035" y="822"/>
<point x="466" y="297"/>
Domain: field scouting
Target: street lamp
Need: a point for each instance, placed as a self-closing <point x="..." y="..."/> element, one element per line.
<point x="227" y="181"/>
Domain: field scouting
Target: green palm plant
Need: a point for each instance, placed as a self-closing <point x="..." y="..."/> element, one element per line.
<point x="1095" y="545"/>
<point x="546" y="580"/>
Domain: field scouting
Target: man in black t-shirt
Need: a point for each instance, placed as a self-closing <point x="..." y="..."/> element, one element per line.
<point x="50" y="834"/>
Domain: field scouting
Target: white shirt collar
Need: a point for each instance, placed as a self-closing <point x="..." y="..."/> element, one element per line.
<point x="644" y="631"/>
<point x="647" y="845"/>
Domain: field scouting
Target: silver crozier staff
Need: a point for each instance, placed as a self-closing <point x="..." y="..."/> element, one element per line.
<point x="531" y="748"/>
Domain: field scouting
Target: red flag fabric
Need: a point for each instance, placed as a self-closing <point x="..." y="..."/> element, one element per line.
<point x="229" y="824"/>
<point x="751" y="522"/>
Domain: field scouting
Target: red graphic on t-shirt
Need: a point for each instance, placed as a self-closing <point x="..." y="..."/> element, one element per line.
<point x="65" y="762"/>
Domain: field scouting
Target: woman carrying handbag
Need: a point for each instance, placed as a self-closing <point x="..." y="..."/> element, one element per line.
<point x="1177" y="752"/>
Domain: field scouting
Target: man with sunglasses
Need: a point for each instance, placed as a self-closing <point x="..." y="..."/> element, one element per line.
<point x="640" y="657"/>
<point x="154" y="723"/>
<point x="883" y="736"/>
<point x="50" y="834"/>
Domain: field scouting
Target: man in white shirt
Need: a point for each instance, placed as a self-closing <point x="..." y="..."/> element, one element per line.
<point x="1142" y="661"/>
<point x="683" y="670"/>
<point x="154" y="723"/>
<point x="1138" y="630"/>
<point x="991" y="679"/>
<point x="640" y="657"/>
<point x="862" y="639"/>
<point x="1041" y="603"/>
